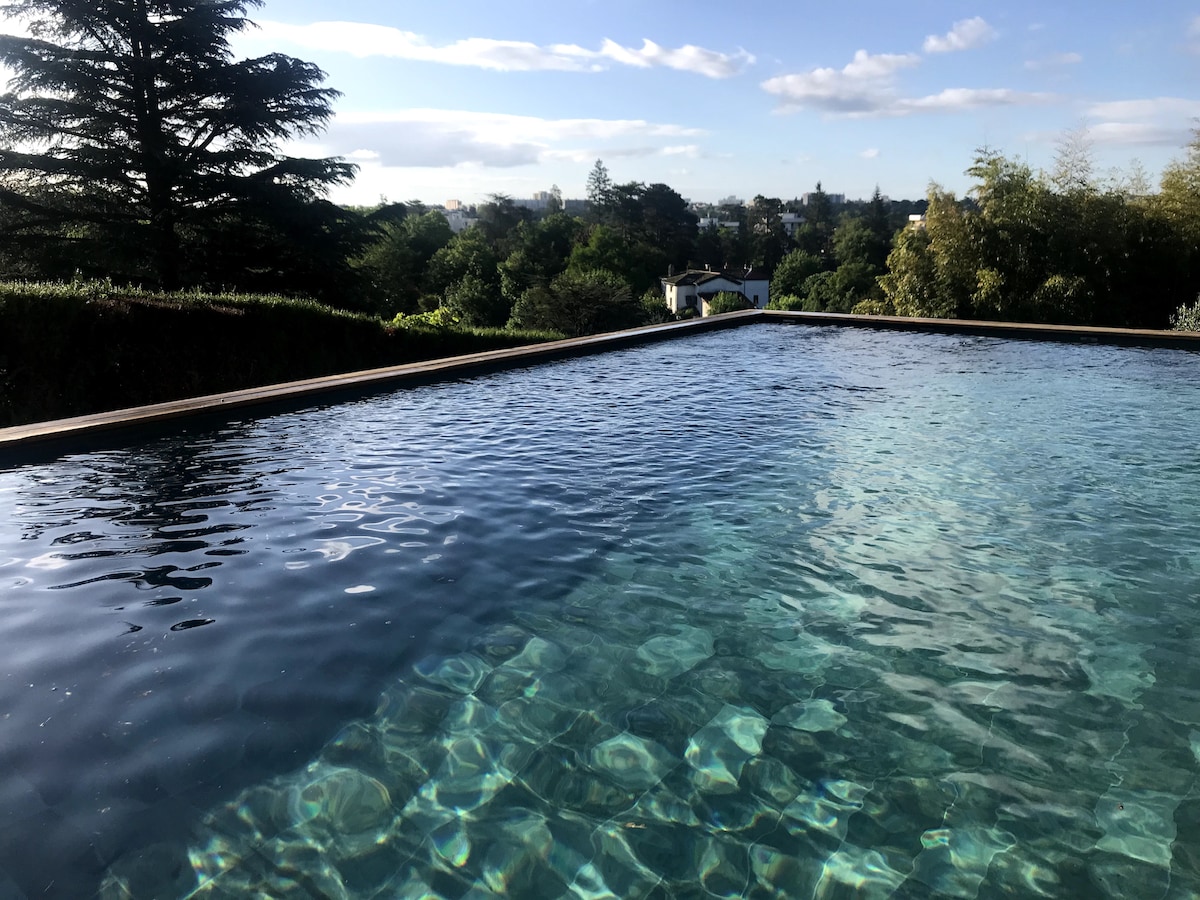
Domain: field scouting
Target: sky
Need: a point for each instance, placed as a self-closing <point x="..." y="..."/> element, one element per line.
<point x="466" y="98"/>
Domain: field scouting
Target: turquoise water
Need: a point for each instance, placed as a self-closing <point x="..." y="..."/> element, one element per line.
<point x="778" y="612"/>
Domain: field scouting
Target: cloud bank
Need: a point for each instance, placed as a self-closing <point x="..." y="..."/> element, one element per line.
<point x="363" y="40"/>
<point x="867" y="86"/>
<point x="441" y="138"/>
<point x="1154" y="121"/>
<point x="862" y="87"/>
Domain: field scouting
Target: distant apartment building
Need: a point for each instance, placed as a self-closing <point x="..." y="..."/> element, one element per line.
<point x="540" y="201"/>
<point x="458" y="218"/>
<point x="835" y="199"/>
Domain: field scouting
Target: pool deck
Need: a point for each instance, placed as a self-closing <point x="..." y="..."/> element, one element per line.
<point x="296" y="392"/>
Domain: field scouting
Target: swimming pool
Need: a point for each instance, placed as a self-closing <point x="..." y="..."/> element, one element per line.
<point x="781" y="611"/>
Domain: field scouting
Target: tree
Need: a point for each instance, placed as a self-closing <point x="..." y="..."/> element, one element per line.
<point x="580" y="302"/>
<point x="467" y="253"/>
<point x="136" y="122"/>
<point x="768" y="240"/>
<point x="932" y="272"/>
<point x="541" y="252"/>
<point x="792" y="271"/>
<point x="498" y="218"/>
<point x="1074" y="165"/>
<point x="474" y="301"/>
<point x="668" y="224"/>
<point x="599" y="185"/>
<point x="396" y="261"/>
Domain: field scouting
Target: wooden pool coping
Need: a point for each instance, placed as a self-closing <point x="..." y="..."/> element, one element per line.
<point x="370" y="380"/>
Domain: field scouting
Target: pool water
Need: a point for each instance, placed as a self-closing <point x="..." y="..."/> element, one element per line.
<point x="775" y="612"/>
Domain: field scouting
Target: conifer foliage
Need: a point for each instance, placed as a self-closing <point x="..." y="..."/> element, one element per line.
<point x="129" y="123"/>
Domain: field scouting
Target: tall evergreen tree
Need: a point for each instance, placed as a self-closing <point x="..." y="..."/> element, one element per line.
<point x="599" y="186"/>
<point x="130" y="120"/>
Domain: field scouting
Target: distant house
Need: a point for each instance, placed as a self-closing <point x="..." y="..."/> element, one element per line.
<point x="791" y="222"/>
<point x="916" y="222"/>
<point x="457" y="217"/>
<point x="714" y="222"/>
<point x="696" y="287"/>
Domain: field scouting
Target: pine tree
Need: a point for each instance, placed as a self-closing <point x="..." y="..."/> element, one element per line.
<point x="129" y="122"/>
<point x="599" y="186"/>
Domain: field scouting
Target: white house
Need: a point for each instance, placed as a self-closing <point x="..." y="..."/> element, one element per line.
<point x="695" y="287"/>
<point x="714" y="222"/>
<point x="458" y="219"/>
<point x="791" y="221"/>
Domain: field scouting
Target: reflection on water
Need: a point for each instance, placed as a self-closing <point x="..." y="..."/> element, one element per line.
<point x="898" y="615"/>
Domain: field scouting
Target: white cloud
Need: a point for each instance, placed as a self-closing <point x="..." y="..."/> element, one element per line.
<point x="1138" y="134"/>
<point x="1054" y="61"/>
<point x="440" y="138"/>
<point x="364" y="40"/>
<point x="1153" y="121"/>
<point x="688" y="58"/>
<point x="870" y="153"/>
<point x="866" y="88"/>
<point x="965" y="35"/>
<point x="863" y="86"/>
<point x="691" y="151"/>
<point x="956" y="99"/>
<point x="1122" y="134"/>
<point x="1151" y="108"/>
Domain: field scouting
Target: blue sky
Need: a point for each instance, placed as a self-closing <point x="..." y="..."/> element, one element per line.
<point x="462" y="99"/>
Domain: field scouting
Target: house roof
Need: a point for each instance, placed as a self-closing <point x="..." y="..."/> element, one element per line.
<point x="701" y="276"/>
<point x="698" y="276"/>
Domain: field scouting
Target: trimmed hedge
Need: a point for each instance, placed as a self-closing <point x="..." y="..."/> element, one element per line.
<point x="73" y="349"/>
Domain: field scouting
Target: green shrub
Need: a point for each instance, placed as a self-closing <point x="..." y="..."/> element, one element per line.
<point x="873" y="308"/>
<point x="440" y="319"/>
<point x="787" y="303"/>
<point x="1187" y="318"/>
<point x="73" y="349"/>
<point x="727" y="302"/>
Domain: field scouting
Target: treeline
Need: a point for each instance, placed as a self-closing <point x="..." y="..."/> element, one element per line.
<point x="603" y="270"/>
<point x="512" y="268"/>
<point x="1057" y="247"/>
<point x="1060" y="247"/>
